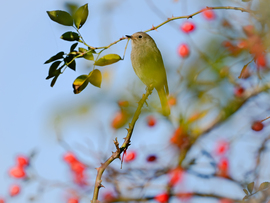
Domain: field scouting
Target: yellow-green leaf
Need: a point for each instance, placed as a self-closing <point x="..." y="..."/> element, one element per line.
<point x="95" y="77"/>
<point x="72" y="7"/>
<point x="264" y="185"/>
<point x="80" y="16"/>
<point x="245" y="190"/>
<point x="70" y="36"/>
<point x="87" y="54"/>
<point x="61" y="17"/>
<point x="80" y="83"/>
<point x="107" y="60"/>
<point x="250" y="187"/>
<point x="82" y="50"/>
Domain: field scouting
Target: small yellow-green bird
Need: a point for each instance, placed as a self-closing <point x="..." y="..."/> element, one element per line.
<point x="148" y="65"/>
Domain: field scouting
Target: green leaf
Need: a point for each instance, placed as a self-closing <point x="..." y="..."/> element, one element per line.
<point x="245" y="0"/>
<point x="54" y="80"/>
<point x="95" y="78"/>
<point x="61" y="17"/>
<point x="69" y="58"/>
<point x="82" y="50"/>
<point x="80" y="83"/>
<point x="73" y="46"/>
<point x="92" y="50"/>
<point x="80" y="16"/>
<point x="264" y="185"/>
<point x="55" y="57"/>
<point x="70" y="36"/>
<point x="52" y="71"/>
<point x="250" y="187"/>
<point x="107" y="60"/>
<point x="246" y="197"/>
<point x="71" y="7"/>
<point x="245" y="191"/>
<point x="88" y="56"/>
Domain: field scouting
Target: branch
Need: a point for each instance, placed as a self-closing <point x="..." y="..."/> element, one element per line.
<point x="198" y="12"/>
<point x="181" y="17"/>
<point x="178" y="195"/>
<point x="124" y="146"/>
<point x="224" y="114"/>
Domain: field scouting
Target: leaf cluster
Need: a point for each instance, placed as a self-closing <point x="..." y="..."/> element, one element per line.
<point x="61" y="60"/>
<point x="250" y="187"/>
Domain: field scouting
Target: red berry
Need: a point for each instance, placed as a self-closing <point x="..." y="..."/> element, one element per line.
<point x="222" y="147"/>
<point x="119" y="120"/>
<point x="77" y="167"/>
<point x="123" y="103"/>
<point x="17" y="172"/>
<point x="130" y="156"/>
<point x="227" y="44"/>
<point x="223" y="167"/>
<point x="180" y="138"/>
<point x="14" y="190"/>
<point x="188" y="27"/>
<point x="183" y="50"/>
<point x="261" y="60"/>
<point x="22" y="161"/>
<point x="209" y="14"/>
<point x="257" y="126"/>
<point x="80" y="179"/>
<point x="108" y="196"/>
<point x="175" y="175"/>
<point x="2" y="200"/>
<point x="249" y="30"/>
<point x="238" y="91"/>
<point x="242" y="44"/>
<point x="223" y="164"/>
<point x="151" y="121"/>
<point x="151" y="158"/>
<point x="70" y="158"/>
<point x="162" y="198"/>
<point x="73" y="200"/>
<point x="172" y="100"/>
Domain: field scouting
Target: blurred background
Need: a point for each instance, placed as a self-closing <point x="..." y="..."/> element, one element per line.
<point x="212" y="146"/>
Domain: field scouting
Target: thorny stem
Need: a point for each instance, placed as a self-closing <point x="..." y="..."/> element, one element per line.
<point x="126" y="143"/>
<point x="124" y="146"/>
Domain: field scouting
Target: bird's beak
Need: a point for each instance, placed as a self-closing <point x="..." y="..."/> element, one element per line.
<point x="129" y="36"/>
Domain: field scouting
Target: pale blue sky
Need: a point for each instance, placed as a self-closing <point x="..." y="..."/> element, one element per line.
<point x="28" y="104"/>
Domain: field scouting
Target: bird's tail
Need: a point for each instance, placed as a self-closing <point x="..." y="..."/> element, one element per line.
<point x="164" y="102"/>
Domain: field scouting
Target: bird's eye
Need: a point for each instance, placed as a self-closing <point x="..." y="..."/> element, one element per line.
<point x="140" y="36"/>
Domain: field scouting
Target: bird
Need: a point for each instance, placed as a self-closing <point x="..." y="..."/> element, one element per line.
<point x="148" y="65"/>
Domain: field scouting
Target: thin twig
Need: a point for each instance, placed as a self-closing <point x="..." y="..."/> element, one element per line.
<point x="198" y="12"/>
<point x="124" y="146"/>
<point x="265" y="119"/>
<point x="180" y="17"/>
